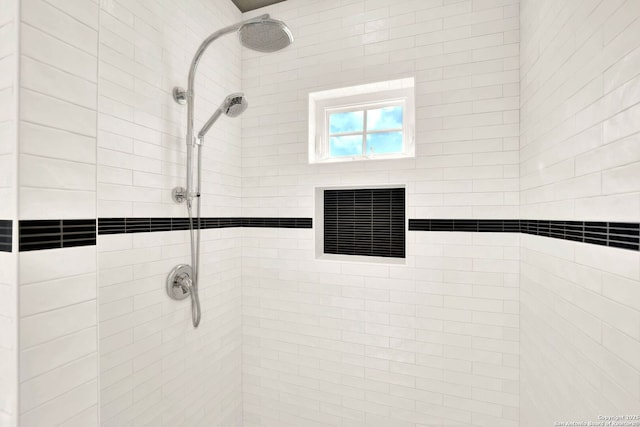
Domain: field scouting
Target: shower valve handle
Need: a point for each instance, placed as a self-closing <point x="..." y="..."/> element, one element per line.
<point x="180" y="195"/>
<point x="180" y="282"/>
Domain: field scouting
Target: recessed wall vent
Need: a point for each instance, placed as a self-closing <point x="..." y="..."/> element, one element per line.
<point x="366" y="222"/>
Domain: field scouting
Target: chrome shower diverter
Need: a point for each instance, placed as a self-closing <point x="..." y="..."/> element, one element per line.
<point x="180" y="282"/>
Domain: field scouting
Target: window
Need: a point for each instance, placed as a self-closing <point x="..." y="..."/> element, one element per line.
<point x="366" y="122"/>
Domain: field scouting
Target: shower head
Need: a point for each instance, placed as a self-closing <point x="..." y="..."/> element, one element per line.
<point x="265" y="34"/>
<point x="232" y="106"/>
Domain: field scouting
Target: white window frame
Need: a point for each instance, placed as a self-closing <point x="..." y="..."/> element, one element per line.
<point x="361" y="98"/>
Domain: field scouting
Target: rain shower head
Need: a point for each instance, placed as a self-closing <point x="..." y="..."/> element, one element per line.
<point x="265" y="34"/>
<point x="232" y="106"/>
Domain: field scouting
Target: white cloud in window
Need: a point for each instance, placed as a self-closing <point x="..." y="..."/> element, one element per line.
<point x="384" y="118"/>
<point x="348" y="121"/>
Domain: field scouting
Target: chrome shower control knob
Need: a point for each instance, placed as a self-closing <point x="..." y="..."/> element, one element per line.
<point x="179" y="282"/>
<point x="180" y="95"/>
<point x="179" y="194"/>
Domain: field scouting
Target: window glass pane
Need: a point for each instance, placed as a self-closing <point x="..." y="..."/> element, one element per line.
<point x="350" y="145"/>
<point x="386" y="142"/>
<point x="384" y="118"/>
<point x="349" y="121"/>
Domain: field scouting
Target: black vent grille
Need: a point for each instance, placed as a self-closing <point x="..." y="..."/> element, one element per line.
<point x="369" y="222"/>
<point x="6" y="229"/>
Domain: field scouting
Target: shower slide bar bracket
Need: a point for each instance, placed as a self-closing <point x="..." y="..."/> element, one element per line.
<point x="180" y="95"/>
<point x="179" y="194"/>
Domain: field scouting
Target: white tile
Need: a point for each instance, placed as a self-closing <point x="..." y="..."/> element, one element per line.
<point x="63" y="407"/>
<point x="51" y="81"/>
<point x="44" y="296"/>
<point x="55" y="143"/>
<point x="42" y="47"/>
<point x="48" y="111"/>
<point x="617" y="261"/>
<point x="56" y="23"/>
<point x="40" y="389"/>
<point x="39" y="266"/>
<point x="43" y="172"/>
<point x="40" y="328"/>
<point x="45" y="203"/>
<point x="52" y="354"/>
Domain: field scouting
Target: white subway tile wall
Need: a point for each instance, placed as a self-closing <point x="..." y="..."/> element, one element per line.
<point x="58" y="321"/>
<point x="434" y="342"/>
<point x="101" y="136"/>
<point x="579" y="159"/>
<point x="146" y="49"/>
<point x="8" y="340"/>
<point x="155" y="368"/>
<point x="58" y="369"/>
<point x="58" y="87"/>
<point x="464" y="56"/>
<point x="8" y="261"/>
<point x="8" y="103"/>
<point x="338" y="343"/>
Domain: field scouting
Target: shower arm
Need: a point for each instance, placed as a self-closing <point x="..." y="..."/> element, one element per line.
<point x="189" y="96"/>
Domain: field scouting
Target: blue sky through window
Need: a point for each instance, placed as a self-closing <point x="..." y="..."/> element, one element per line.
<point x="348" y="145"/>
<point x="349" y="121"/>
<point x="384" y="118"/>
<point x="378" y="142"/>
<point x="384" y="142"/>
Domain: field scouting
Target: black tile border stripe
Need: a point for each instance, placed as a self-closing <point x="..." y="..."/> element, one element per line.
<point x="65" y="233"/>
<point x="625" y="235"/>
<point x="6" y="231"/>
<point x="56" y="233"/>
<point x="145" y="225"/>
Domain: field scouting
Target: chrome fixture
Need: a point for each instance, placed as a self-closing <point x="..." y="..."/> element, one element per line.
<point x="179" y="282"/>
<point x="233" y="106"/>
<point x="262" y="34"/>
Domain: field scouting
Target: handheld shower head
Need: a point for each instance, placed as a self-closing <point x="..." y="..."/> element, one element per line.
<point x="232" y="106"/>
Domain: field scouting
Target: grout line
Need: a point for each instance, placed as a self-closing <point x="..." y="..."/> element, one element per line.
<point x="16" y="216"/>
<point x="66" y="363"/>
<point x="42" y="31"/>
<point x="22" y="350"/>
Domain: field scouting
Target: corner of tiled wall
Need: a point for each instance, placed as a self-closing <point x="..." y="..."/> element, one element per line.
<point x="8" y="257"/>
<point x="579" y="161"/>
<point x="58" y="376"/>
<point x="100" y="136"/>
<point x="155" y="368"/>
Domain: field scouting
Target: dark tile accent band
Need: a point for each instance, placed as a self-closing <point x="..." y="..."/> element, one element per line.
<point x="65" y="233"/>
<point x="146" y="225"/>
<point x="624" y="235"/>
<point x="56" y="233"/>
<point x="6" y="229"/>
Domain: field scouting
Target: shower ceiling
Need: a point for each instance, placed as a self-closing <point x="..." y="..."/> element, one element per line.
<point x="247" y="5"/>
